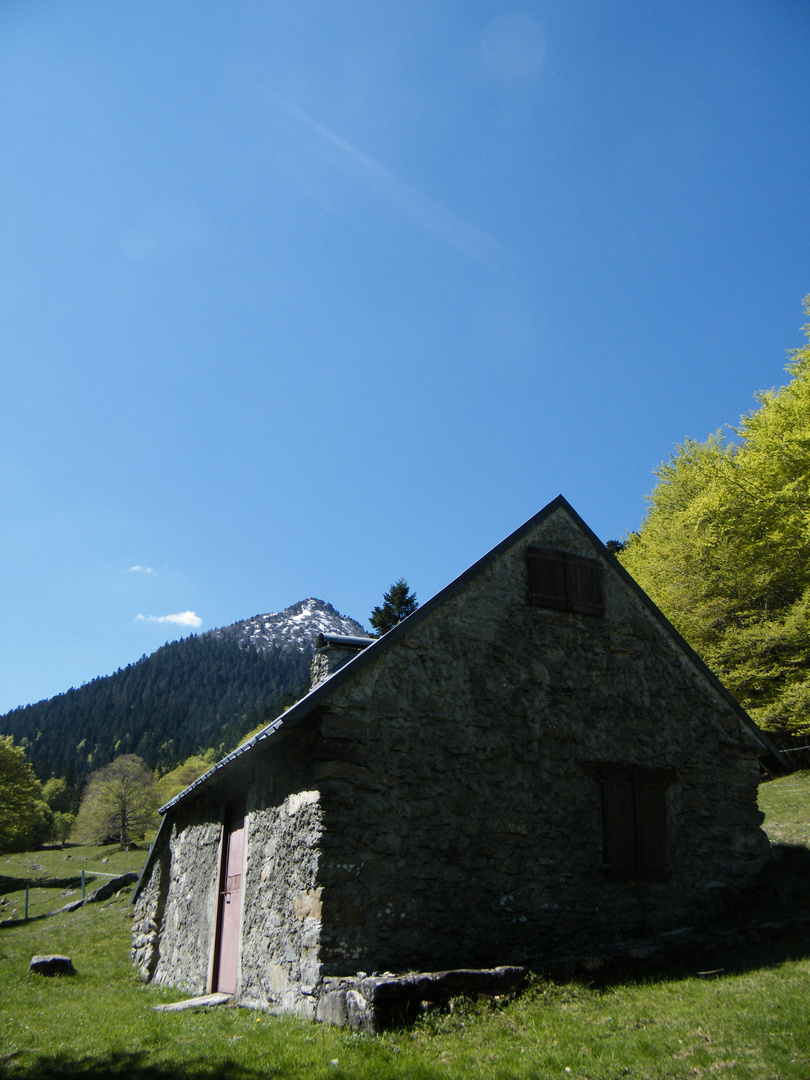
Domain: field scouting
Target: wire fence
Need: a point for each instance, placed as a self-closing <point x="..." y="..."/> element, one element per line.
<point x="81" y="880"/>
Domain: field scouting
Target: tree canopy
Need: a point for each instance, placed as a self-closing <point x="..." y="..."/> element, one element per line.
<point x="119" y="803"/>
<point x="724" y="551"/>
<point x="23" y="813"/>
<point x="172" y="783"/>
<point x="397" y="605"/>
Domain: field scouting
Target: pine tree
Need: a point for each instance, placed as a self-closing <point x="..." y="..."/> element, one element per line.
<point x="397" y="605"/>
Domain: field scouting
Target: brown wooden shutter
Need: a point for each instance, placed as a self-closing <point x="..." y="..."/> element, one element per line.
<point x="651" y="826"/>
<point x="634" y="820"/>
<point x="584" y="585"/>
<point x="558" y="579"/>
<point x="618" y="823"/>
<point x="547" y="587"/>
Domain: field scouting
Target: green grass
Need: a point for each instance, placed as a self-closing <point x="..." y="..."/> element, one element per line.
<point x="744" y="1016"/>
<point x="786" y="804"/>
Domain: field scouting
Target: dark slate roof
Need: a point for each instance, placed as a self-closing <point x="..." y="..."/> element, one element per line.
<point x="315" y="697"/>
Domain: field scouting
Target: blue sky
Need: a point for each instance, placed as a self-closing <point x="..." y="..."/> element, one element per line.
<point x="299" y="298"/>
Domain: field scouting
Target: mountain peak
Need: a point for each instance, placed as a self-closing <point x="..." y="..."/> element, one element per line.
<point x="295" y="627"/>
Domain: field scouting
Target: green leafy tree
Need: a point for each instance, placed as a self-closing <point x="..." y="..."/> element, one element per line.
<point x="119" y="803"/>
<point x="57" y="794"/>
<point x="59" y="798"/>
<point x="23" y="814"/>
<point x="62" y="826"/>
<point x="724" y="550"/>
<point x="172" y="783"/>
<point x="397" y="605"/>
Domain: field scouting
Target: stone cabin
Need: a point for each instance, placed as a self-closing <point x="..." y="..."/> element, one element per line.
<point x="533" y="763"/>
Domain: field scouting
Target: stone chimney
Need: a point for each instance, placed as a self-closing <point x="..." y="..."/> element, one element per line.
<point x="332" y="651"/>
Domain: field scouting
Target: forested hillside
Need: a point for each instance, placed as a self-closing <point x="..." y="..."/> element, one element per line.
<point x="187" y="696"/>
<point x="725" y="552"/>
<point x="198" y="693"/>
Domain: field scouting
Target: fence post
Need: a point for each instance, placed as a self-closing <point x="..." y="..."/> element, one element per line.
<point x="26" y="901"/>
<point x="82" y="884"/>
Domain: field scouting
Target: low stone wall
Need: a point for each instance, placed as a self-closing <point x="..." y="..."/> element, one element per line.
<point x="371" y="1003"/>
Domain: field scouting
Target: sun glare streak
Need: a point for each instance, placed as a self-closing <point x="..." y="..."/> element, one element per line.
<point x="343" y="155"/>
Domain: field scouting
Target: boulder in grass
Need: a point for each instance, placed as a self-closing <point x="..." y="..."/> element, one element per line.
<point x="52" y="965"/>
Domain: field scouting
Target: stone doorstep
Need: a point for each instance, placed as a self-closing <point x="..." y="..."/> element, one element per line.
<point x="206" y="1001"/>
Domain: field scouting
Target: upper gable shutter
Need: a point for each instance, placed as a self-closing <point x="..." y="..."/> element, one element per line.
<point x="584" y="581"/>
<point x="547" y="578"/>
<point x="559" y="579"/>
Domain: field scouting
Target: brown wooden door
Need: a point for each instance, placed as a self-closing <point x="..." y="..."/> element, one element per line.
<point x="230" y="899"/>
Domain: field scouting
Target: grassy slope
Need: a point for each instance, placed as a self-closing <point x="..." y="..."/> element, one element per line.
<point x="748" y="1020"/>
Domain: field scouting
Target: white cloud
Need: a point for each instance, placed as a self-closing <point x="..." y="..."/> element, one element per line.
<point x="140" y="570"/>
<point x="182" y="618"/>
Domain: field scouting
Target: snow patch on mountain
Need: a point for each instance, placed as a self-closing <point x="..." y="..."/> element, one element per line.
<point x="295" y="627"/>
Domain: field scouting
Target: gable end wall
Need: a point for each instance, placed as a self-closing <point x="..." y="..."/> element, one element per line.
<point x="461" y="825"/>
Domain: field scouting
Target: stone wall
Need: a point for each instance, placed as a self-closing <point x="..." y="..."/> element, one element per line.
<point x="172" y="946"/>
<point x="176" y="907"/>
<point x="147" y="921"/>
<point x="282" y="911"/>
<point x="279" y="962"/>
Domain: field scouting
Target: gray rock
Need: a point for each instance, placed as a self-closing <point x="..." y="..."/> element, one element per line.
<point x="112" y="887"/>
<point x="52" y="965"/>
<point x="360" y="1014"/>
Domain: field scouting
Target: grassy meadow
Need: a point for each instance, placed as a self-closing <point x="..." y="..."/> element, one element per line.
<point x="735" y="1008"/>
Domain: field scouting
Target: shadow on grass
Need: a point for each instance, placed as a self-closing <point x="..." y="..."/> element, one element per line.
<point x="762" y="926"/>
<point x="129" y="1065"/>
